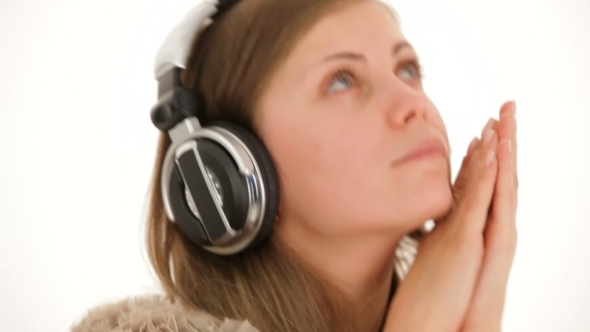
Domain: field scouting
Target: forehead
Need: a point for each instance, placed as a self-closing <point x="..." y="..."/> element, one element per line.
<point x="360" y="26"/>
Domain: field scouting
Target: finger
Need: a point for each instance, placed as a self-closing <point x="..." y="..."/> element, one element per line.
<point x="500" y="231"/>
<point x="476" y="185"/>
<point x="491" y="124"/>
<point x="471" y="149"/>
<point x="462" y="177"/>
<point x="508" y="107"/>
<point x="507" y="130"/>
<point x="460" y="180"/>
<point x="472" y="146"/>
<point x="513" y="151"/>
<point x="507" y="123"/>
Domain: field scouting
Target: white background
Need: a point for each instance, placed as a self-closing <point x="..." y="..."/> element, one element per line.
<point x="77" y="145"/>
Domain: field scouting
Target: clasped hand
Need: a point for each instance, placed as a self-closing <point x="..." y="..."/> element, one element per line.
<point x="459" y="277"/>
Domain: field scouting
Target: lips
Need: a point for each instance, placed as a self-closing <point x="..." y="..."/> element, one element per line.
<point x="426" y="148"/>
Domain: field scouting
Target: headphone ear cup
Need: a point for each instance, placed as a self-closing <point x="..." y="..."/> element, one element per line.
<point x="268" y="171"/>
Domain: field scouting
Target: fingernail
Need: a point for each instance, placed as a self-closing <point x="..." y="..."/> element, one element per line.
<point x="488" y="125"/>
<point x="490" y="158"/>
<point x="514" y="106"/>
<point x="472" y="146"/>
<point x="487" y="136"/>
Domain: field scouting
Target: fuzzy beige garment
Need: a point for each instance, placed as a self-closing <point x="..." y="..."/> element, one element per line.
<point x="155" y="314"/>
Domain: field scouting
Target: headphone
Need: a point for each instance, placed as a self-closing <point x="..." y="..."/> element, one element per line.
<point x="218" y="182"/>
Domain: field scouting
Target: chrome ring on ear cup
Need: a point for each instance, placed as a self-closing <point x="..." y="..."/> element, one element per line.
<point x="249" y="182"/>
<point x="269" y="173"/>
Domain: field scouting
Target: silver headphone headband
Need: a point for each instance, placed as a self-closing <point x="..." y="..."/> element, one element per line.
<point x="176" y="48"/>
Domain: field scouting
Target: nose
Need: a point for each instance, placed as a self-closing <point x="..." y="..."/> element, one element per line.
<point x="405" y="103"/>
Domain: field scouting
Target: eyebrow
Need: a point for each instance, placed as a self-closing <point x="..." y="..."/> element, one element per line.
<point x="357" y="56"/>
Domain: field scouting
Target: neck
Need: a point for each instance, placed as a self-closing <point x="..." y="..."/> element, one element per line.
<point x="360" y="268"/>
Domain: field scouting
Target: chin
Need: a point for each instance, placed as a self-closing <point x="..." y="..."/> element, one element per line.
<point x="439" y="201"/>
<point x="430" y="202"/>
<point x="441" y="208"/>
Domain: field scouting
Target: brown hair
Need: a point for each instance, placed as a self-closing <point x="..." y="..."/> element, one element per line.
<point x="266" y="285"/>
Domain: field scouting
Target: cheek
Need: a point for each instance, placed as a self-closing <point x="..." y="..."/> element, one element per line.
<point x="313" y="154"/>
<point x="323" y="170"/>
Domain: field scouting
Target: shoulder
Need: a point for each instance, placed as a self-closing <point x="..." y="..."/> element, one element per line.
<point x="154" y="313"/>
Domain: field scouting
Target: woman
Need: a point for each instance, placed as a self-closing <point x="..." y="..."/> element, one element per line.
<point x="333" y="90"/>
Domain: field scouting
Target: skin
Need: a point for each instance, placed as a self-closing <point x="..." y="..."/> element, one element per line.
<point x="459" y="277"/>
<point x="339" y="118"/>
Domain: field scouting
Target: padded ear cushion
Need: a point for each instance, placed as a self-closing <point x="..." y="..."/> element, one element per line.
<point x="269" y="175"/>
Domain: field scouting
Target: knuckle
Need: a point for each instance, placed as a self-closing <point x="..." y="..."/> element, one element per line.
<point x="465" y="161"/>
<point x="506" y="249"/>
<point x="511" y="195"/>
<point x="509" y="244"/>
<point x="506" y="243"/>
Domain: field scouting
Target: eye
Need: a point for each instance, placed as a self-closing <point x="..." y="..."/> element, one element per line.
<point x="410" y="70"/>
<point x="341" y="80"/>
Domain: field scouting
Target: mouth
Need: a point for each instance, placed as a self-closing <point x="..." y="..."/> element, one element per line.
<point x="430" y="148"/>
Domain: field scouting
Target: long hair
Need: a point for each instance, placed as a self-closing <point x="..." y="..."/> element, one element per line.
<point x="229" y="67"/>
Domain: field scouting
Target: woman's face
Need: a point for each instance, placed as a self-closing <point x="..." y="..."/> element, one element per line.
<point x="358" y="145"/>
